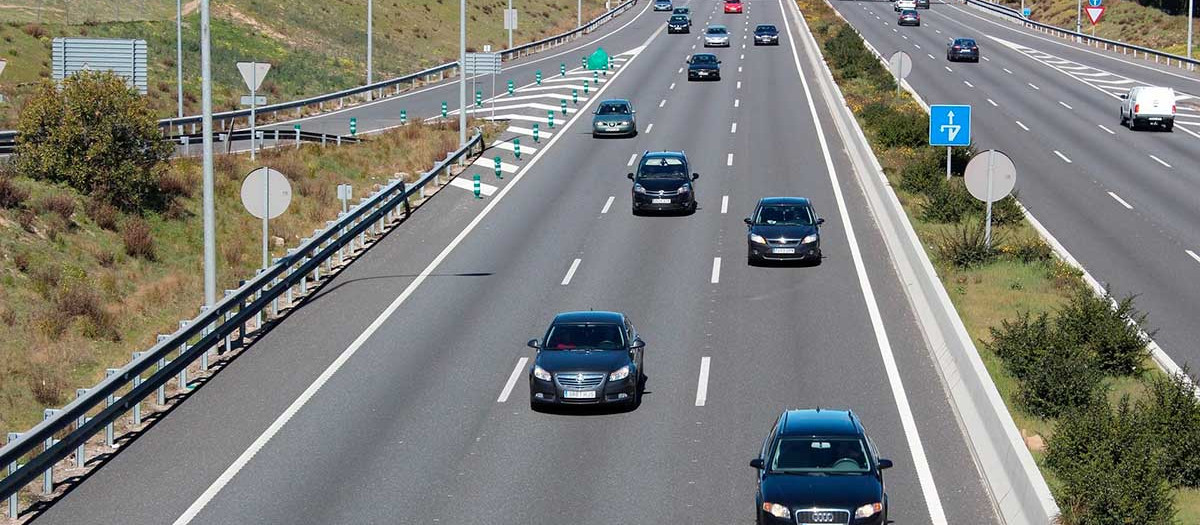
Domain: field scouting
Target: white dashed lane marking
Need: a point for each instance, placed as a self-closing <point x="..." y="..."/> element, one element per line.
<point x="1120" y="200"/>
<point x="1160" y="161"/>
<point x="992" y="102"/>
<point x="733" y="128"/>
<point x="1022" y="126"/>
<point x="1193" y="254"/>
<point x="1063" y="157"/>
<point x="729" y="160"/>
<point x="1110" y="132"/>
<point x="702" y="383"/>
<point x="632" y="158"/>
<point x="716" y="271"/>
<point x="724" y="204"/>
<point x="1034" y="86"/>
<point x="570" y="272"/>
<point x="512" y="380"/>
<point x="1065" y="105"/>
<point x="607" y="204"/>
<point x="650" y="127"/>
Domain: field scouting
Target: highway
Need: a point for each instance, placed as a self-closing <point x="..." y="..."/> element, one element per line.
<point x="1124" y="203"/>
<point x="398" y="393"/>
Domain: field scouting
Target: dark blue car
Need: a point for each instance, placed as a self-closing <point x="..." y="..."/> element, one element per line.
<point x="783" y="229"/>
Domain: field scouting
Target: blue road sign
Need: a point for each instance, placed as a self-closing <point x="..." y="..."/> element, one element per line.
<point x="949" y="125"/>
<point x="1026" y="12"/>
<point x="1094" y="3"/>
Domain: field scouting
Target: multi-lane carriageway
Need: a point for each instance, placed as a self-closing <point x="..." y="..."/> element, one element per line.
<point x="398" y="393"/>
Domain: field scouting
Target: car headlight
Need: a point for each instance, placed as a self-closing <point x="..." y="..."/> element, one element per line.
<point x="637" y="188"/>
<point x="619" y="374"/>
<point x="868" y="510"/>
<point x="541" y="373"/>
<point x="812" y="237"/>
<point x="757" y="239"/>
<point x="777" y="510"/>
<point x="685" y="189"/>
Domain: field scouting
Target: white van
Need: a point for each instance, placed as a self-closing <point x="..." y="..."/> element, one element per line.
<point x="1148" y="105"/>
<point x="901" y="5"/>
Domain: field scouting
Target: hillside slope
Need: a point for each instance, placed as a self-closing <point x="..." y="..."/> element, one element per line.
<point x="1123" y="20"/>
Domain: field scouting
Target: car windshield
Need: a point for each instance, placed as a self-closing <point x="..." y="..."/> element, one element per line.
<point x="716" y="30"/>
<point x="682" y="10"/>
<point x="785" y="215"/>
<point x="663" y="168"/>
<point x="820" y="455"/>
<point x="908" y="12"/>
<point x="679" y="19"/>
<point x="704" y="59"/>
<point x="613" y="108"/>
<point x="585" y="336"/>
<point x="965" y="43"/>
<point x="765" y="29"/>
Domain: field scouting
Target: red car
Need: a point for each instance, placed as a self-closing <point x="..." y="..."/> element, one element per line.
<point x="733" y="6"/>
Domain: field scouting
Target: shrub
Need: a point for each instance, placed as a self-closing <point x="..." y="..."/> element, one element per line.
<point x="11" y="195"/>
<point x="58" y="204"/>
<point x="1110" y="469"/>
<point x="1111" y="335"/>
<point x="1172" y="414"/>
<point x="96" y="135"/>
<point x="1060" y="379"/>
<point x="847" y="54"/>
<point x="947" y="202"/>
<point x="902" y="128"/>
<point x="965" y="245"/>
<point x="139" y="241"/>
<point x="34" y="30"/>
<point x="1021" y="344"/>
<point x="1029" y="250"/>
<point x="924" y="174"/>
<point x="103" y="214"/>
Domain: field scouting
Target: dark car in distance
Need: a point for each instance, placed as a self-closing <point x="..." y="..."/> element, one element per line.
<point x="587" y="358"/>
<point x="922" y="4"/>
<point x="662" y="183"/>
<point x="909" y="17"/>
<point x="684" y="10"/>
<point x="819" y="466"/>
<point x="783" y="229"/>
<point x="962" y="49"/>
<point x="702" y="66"/>
<point x="679" y="24"/>
<point x="765" y="34"/>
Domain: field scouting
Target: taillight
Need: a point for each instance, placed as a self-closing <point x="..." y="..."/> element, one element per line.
<point x="1137" y="108"/>
<point x="974" y="49"/>
<point x="1172" y="109"/>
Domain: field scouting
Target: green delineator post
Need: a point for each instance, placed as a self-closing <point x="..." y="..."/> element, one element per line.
<point x="575" y="96"/>
<point x="596" y="77"/>
<point x="477" y="196"/>
<point x="538" y="77"/>
<point x="499" y="172"/>
<point x="444" y="106"/>
<point x="585" y="87"/>
<point x="353" y="126"/>
<point x="562" y="70"/>
<point x="583" y="61"/>
<point x="563" y="105"/>
<point x="403" y="117"/>
<point x="535" y="132"/>
<point x="517" y="148"/>
<point x="478" y="98"/>
<point x="510" y="88"/>
<point x="297" y="128"/>
<point x="550" y="119"/>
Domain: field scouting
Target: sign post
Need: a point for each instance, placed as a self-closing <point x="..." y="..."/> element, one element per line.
<point x="253" y="74"/>
<point x="266" y="194"/>
<point x="949" y="125"/>
<point x="990" y="176"/>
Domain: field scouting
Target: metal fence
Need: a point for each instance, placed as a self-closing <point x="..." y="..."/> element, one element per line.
<point x="242" y="312"/>
<point x="1159" y="57"/>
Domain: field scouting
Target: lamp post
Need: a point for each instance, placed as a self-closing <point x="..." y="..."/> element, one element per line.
<point x="370" y="20"/>
<point x="462" y="73"/>
<point x="209" y="208"/>
<point x="179" y="57"/>
<point x="1189" y="40"/>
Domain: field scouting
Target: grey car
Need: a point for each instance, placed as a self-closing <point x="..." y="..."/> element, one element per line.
<point x="663" y="5"/>
<point x="716" y="36"/>
<point x="614" y="117"/>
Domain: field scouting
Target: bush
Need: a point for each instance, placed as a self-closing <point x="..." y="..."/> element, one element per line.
<point x="1111" y="335"/>
<point x="1029" y="250"/>
<point x="965" y="245"/>
<point x="924" y="174"/>
<point x="1172" y="414"/>
<point x="851" y="59"/>
<point x="139" y="242"/>
<point x="103" y="214"/>
<point x="1060" y="379"/>
<point x="96" y="135"/>
<point x="58" y="204"/>
<point x="902" y="129"/>
<point x="948" y="202"/>
<point x="11" y="195"/>
<point x="1110" y="469"/>
<point x="1021" y="344"/>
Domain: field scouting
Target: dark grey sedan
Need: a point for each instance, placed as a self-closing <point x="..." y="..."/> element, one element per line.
<point x="614" y="117"/>
<point x="783" y="229"/>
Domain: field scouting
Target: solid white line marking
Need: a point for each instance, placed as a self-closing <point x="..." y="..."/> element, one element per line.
<point x="737" y="102"/>
<point x="948" y="69"/>
<point x="650" y="127"/>
<point x="512" y="380"/>
<point x="1160" y="161"/>
<point x="632" y="158"/>
<point x="1065" y="105"/>
<point x="1193" y="254"/>
<point x="937" y="516"/>
<point x="1063" y="157"/>
<point x="607" y="204"/>
<point x="1120" y="200"/>
<point x="1022" y="126"/>
<point x="702" y="384"/>
<point x="724" y="204"/>
<point x="1032" y="85"/>
<point x="733" y="128"/>
<point x="729" y="160"/>
<point x="992" y="102"/>
<point x="716" y="271"/>
<point x="1110" y="132"/>
<point x="663" y="103"/>
<point x="1007" y="71"/>
<point x="970" y="85"/>
<point x="571" y="272"/>
<point x="672" y="86"/>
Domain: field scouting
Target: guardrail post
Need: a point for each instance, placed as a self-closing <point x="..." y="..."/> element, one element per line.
<point x="183" y="347"/>
<point x="12" y="469"/>
<point x="339" y="140"/>
<point x="322" y="140"/>
<point x="112" y="398"/>
<point x="304" y="277"/>
<point x="81" y="450"/>
<point x="137" y="403"/>
<point x="228" y="316"/>
<point x="275" y="301"/>
<point x="48" y="477"/>
<point x="162" y="363"/>
<point x="187" y="145"/>
<point x="290" y="287"/>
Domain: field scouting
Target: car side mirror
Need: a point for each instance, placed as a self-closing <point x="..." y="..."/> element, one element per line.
<point x="634" y="112"/>
<point x="637" y="343"/>
<point x="630" y="175"/>
<point x="695" y="176"/>
<point x="821" y="220"/>
<point x="596" y="111"/>
<point x="1124" y="95"/>
<point x="757" y="463"/>
<point x="748" y="221"/>
<point x="718" y="61"/>
<point x="885" y="464"/>
<point x="533" y="343"/>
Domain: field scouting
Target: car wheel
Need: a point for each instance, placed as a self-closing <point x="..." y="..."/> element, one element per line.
<point x="594" y="135"/>
<point x="1169" y="126"/>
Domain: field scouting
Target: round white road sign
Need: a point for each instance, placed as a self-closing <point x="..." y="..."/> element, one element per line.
<point x="1003" y="176"/>
<point x="266" y="193"/>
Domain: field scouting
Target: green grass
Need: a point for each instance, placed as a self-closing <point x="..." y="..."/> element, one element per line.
<point x="1123" y="20"/>
<point x="314" y="47"/>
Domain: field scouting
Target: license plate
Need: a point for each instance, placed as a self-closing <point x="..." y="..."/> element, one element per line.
<point x="660" y="201"/>
<point x="579" y="394"/>
<point x="783" y="250"/>
<point x="702" y="74"/>
<point x="1155" y="119"/>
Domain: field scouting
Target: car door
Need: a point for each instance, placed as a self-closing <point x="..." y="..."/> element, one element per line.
<point x="631" y="335"/>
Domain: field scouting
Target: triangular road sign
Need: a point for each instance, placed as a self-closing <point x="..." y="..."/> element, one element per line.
<point x="1094" y="13"/>
<point x="253" y="73"/>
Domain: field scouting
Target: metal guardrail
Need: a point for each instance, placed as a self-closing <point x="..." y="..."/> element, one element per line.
<point x="222" y="328"/>
<point x="1159" y="56"/>
<point x="8" y="144"/>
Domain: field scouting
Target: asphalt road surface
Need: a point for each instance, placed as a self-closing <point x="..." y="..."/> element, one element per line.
<point x="389" y="397"/>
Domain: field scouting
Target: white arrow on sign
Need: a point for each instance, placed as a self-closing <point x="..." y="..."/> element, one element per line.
<point x="950" y="128"/>
<point x="253" y="73"/>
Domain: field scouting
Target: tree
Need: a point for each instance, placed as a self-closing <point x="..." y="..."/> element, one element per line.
<point x="97" y="135"/>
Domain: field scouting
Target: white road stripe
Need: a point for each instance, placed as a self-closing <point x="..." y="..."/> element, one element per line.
<point x="571" y="272"/>
<point x="663" y="103"/>
<point x="512" y="380"/>
<point x="485" y="189"/>
<point x="1032" y="85"/>
<point x="1006" y="70"/>
<point x="1110" y="132"/>
<point x="729" y="160"/>
<point x="542" y="134"/>
<point x="1063" y="157"/>
<point x="737" y="102"/>
<point x="733" y="128"/>
<point x="739" y="69"/>
<point x="607" y="204"/>
<point x="918" y="46"/>
<point x="491" y="165"/>
<point x="716" y="271"/>
<point x="986" y="59"/>
<point x="632" y="158"/>
<point x="739" y="84"/>
<point x="743" y="57"/>
<point x="724" y="204"/>
<point x="948" y="69"/>
<point x="702" y="384"/>
<point x="992" y="102"/>
<point x="931" y="57"/>
<point x="970" y="85"/>
<point x="1065" y="105"/>
<point x="1193" y="254"/>
<point x="1160" y="161"/>
<point x="1022" y="126"/>
<point x="650" y="127"/>
<point x="681" y="69"/>
<point x="672" y="86"/>
<point x="1120" y="200"/>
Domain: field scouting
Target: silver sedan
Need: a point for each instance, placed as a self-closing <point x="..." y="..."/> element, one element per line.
<point x="614" y="117"/>
<point x="716" y="36"/>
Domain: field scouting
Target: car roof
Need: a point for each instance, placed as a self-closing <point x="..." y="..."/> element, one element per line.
<point x="909" y="12"/>
<point x="820" y="422"/>
<point x="964" y="39"/>
<point x="717" y="26"/>
<point x="771" y="201"/>
<point x="614" y="101"/>
<point x="589" y="316"/>
<point x="763" y="26"/>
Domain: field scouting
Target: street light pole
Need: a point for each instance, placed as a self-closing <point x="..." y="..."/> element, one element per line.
<point x="578" y="13"/>
<point x="462" y="73"/>
<point x="370" y="20"/>
<point x="1079" y="16"/>
<point x="210" y="215"/>
<point x="179" y="56"/>
<point x="1189" y="42"/>
<point x="510" y="29"/>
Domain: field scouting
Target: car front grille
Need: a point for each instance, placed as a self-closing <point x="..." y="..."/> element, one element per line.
<point x="822" y="517"/>
<point x="579" y="380"/>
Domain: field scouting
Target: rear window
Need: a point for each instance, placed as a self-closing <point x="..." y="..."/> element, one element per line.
<point x="716" y="30"/>
<point x="966" y="42"/>
<point x="765" y="29"/>
<point x="704" y="59"/>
